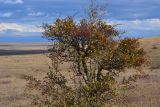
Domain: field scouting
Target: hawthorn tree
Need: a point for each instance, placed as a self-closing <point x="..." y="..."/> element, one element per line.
<point x="96" y="58"/>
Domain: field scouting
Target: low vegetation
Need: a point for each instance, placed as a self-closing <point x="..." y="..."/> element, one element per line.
<point x="96" y="57"/>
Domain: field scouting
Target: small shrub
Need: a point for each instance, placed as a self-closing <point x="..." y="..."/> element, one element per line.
<point x="154" y="47"/>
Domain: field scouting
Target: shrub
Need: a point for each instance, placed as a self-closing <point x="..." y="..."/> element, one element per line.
<point x="96" y="58"/>
<point x="154" y="47"/>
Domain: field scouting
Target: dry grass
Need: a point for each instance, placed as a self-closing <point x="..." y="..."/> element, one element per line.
<point x="13" y="69"/>
<point x="147" y="91"/>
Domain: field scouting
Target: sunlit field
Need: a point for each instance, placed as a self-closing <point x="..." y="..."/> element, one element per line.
<point x="13" y="69"/>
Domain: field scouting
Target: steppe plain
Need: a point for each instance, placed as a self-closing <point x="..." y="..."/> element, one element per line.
<point x="20" y="59"/>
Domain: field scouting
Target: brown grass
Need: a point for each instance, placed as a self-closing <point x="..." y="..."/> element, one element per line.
<point x="14" y="68"/>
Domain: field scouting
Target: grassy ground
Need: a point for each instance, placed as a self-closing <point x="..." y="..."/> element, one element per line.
<point x="12" y="71"/>
<point x="147" y="92"/>
<point x="14" y="67"/>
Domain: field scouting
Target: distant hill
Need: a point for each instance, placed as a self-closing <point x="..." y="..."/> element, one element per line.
<point x="151" y="45"/>
<point x="23" y="48"/>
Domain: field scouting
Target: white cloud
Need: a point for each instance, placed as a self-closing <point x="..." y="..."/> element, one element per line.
<point x="19" y="28"/>
<point x="35" y="14"/>
<point x="7" y="14"/>
<point x="145" y="27"/>
<point x="146" y="24"/>
<point x="12" y="1"/>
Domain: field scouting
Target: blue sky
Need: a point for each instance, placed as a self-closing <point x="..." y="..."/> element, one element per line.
<point x="20" y="19"/>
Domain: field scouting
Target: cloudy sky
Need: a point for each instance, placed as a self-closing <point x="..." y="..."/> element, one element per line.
<point x="20" y="19"/>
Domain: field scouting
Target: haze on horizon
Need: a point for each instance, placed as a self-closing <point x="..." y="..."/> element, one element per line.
<point x="19" y="19"/>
